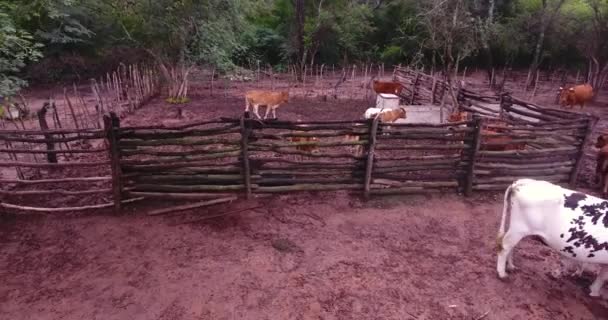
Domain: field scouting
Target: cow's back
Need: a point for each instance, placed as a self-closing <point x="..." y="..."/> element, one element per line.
<point x="583" y="93"/>
<point x="263" y="97"/>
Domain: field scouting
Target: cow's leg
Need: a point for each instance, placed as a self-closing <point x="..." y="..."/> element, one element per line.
<point x="596" y="286"/>
<point x="256" y="109"/>
<point x="274" y="112"/>
<point x="510" y="265"/>
<point x="267" y="110"/>
<point x="509" y="241"/>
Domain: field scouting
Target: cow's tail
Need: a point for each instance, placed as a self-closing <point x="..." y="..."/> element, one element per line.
<point x="506" y="211"/>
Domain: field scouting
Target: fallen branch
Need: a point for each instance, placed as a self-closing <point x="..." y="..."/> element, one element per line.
<point x="192" y="206"/>
<point x="214" y="216"/>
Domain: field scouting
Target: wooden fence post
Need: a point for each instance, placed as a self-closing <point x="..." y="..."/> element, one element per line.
<point x="475" y="143"/>
<point x="370" y="156"/>
<point x="51" y="157"/>
<point x="414" y="88"/>
<point x="591" y="122"/>
<point x="245" y="131"/>
<point x="112" y="125"/>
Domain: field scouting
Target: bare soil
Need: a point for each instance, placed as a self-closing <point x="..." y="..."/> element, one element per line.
<point x="300" y="256"/>
<point x="306" y="256"/>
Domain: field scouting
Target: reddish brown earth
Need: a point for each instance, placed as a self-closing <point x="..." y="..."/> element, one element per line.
<point x="324" y="256"/>
<point x="302" y="256"/>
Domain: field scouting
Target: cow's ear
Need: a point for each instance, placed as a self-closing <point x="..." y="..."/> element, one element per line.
<point x="561" y="88"/>
<point x="571" y="89"/>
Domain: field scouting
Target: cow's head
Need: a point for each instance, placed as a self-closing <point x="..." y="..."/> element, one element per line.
<point x="402" y="113"/>
<point x="285" y="96"/>
<point x="602" y="141"/>
<point x="565" y="95"/>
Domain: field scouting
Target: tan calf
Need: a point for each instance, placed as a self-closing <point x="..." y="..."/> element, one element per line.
<point x="270" y="99"/>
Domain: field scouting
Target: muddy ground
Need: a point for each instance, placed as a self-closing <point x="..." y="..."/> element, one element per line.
<point x="300" y="256"/>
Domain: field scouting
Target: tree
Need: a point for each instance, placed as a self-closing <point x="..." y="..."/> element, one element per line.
<point x="17" y="48"/>
<point x="546" y="14"/>
<point x="181" y="34"/>
<point x="452" y="34"/>
<point x="594" y="45"/>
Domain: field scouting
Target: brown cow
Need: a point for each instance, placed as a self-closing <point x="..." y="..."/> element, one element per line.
<point x="579" y="94"/>
<point x="305" y="148"/>
<point x="270" y="99"/>
<point x="387" y="87"/>
<point x="458" y="116"/>
<point x="489" y="139"/>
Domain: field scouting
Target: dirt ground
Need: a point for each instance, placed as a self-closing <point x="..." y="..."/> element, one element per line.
<point x="301" y="256"/>
<point x="308" y="256"/>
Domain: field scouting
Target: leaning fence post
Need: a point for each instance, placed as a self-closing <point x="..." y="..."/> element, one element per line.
<point x="51" y="156"/>
<point x="475" y="143"/>
<point x="245" y="131"/>
<point x="112" y="126"/>
<point x="370" y="156"/>
<point x="591" y="122"/>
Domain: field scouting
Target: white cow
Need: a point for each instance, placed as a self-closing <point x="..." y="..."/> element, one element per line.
<point x="573" y="223"/>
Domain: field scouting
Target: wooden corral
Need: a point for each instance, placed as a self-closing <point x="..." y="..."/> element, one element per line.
<point x="548" y="142"/>
<point x="215" y="160"/>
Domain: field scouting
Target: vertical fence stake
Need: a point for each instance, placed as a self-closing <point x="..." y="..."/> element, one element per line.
<point x="591" y="122"/>
<point x="370" y="156"/>
<point x="112" y="125"/>
<point x="476" y="125"/>
<point x="51" y="157"/>
<point x="245" y="130"/>
<point x="414" y="88"/>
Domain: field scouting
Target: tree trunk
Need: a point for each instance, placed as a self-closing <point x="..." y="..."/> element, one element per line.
<point x="536" y="60"/>
<point x="299" y="37"/>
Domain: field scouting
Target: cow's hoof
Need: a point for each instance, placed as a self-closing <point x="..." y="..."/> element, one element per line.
<point x="512" y="268"/>
<point x="594" y="294"/>
<point x="503" y="278"/>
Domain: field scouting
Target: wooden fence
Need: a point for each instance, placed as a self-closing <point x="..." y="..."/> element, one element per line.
<point x="214" y="160"/>
<point x="549" y="141"/>
<point x="223" y="157"/>
<point x="72" y="164"/>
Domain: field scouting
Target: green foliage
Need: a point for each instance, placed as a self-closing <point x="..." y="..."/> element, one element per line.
<point x="17" y="47"/>
<point x="229" y="33"/>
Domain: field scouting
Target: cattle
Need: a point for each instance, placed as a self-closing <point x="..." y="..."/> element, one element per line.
<point x="387" y="87"/>
<point x="309" y="148"/>
<point x="386" y="115"/>
<point x="491" y="140"/>
<point x="270" y="99"/>
<point x="572" y="223"/>
<point x="358" y="149"/>
<point x="458" y="116"/>
<point x="579" y="94"/>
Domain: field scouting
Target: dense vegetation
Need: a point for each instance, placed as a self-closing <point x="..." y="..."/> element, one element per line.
<point x="52" y="40"/>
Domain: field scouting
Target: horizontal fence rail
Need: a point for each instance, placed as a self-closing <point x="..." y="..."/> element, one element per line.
<point x="502" y="139"/>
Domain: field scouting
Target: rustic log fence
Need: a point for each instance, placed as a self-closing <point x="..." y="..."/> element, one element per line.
<point x="541" y="142"/>
<point x="79" y="173"/>
<point x="213" y="161"/>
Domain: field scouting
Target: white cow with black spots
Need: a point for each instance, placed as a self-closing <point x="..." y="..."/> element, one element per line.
<point x="573" y="223"/>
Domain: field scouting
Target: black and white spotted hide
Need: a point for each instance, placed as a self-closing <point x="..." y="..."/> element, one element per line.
<point x="573" y="223"/>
